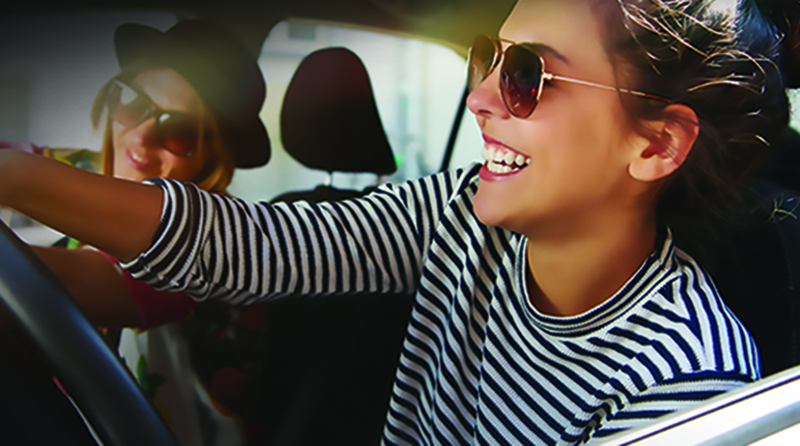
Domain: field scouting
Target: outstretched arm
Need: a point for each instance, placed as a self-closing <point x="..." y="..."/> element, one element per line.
<point x="216" y="247"/>
<point x="116" y="216"/>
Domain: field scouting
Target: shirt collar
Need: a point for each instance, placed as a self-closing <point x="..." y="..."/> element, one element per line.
<point x="643" y="283"/>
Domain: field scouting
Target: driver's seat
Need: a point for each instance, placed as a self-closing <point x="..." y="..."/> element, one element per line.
<point x="330" y="361"/>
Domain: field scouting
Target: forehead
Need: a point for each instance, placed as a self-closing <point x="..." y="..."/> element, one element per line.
<point x="168" y="90"/>
<point x="567" y="26"/>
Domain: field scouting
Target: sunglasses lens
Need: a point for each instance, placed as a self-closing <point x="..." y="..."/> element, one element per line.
<point x="130" y="107"/>
<point x="521" y="79"/>
<point x="481" y="57"/>
<point x="177" y="132"/>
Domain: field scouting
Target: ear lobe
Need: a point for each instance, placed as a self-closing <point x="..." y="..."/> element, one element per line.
<point x="667" y="149"/>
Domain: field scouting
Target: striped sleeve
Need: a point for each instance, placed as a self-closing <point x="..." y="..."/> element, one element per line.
<point x="213" y="246"/>
<point x="672" y="395"/>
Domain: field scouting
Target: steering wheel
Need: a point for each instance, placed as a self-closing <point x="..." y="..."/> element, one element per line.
<point x="96" y="380"/>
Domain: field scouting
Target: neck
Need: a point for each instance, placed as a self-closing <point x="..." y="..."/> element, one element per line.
<point x="576" y="267"/>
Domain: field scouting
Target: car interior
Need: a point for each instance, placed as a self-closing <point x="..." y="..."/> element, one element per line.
<point x="321" y="350"/>
<point x="754" y="260"/>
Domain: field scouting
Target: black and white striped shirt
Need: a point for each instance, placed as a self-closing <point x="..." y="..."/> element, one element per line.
<point x="479" y="365"/>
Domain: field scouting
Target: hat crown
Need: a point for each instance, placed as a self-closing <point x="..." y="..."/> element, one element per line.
<point x="220" y="69"/>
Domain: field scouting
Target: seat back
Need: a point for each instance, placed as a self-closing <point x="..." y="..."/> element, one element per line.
<point x="312" y="370"/>
<point x="330" y="361"/>
<point x="758" y="272"/>
<point x="755" y="258"/>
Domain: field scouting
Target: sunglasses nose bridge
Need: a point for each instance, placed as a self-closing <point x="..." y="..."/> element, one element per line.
<point x="145" y="132"/>
<point x="151" y="112"/>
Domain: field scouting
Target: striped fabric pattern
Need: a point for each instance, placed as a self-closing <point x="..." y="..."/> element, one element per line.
<point x="479" y="365"/>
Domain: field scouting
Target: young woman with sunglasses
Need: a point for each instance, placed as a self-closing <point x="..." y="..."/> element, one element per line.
<point x="165" y="117"/>
<point x="553" y="305"/>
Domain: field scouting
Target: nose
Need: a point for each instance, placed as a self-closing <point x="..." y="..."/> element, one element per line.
<point x="144" y="133"/>
<point x="485" y="100"/>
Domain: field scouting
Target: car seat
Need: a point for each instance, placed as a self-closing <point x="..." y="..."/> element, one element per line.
<point x="330" y="362"/>
<point x="330" y="122"/>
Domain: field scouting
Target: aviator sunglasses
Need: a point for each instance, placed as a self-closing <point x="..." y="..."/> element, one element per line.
<point x="178" y="132"/>
<point x="522" y="74"/>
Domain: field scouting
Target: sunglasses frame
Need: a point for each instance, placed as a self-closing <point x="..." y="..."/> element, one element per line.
<point x="498" y="58"/>
<point x="151" y="111"/>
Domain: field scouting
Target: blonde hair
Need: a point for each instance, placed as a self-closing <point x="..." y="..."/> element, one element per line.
<point x="215" y="176"/>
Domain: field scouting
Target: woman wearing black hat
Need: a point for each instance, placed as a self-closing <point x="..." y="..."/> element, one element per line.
<point x="184" y="106"/>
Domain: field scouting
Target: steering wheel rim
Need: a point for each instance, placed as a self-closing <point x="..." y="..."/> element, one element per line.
<point x="98" y="382"/>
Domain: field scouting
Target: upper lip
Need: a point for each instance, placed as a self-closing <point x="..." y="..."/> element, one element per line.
<point x="489" y="140"/>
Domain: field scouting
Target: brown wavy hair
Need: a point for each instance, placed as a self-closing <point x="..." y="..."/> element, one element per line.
<point x="725" y="63"/>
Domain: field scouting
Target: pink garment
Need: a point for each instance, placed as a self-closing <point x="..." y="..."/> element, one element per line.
<point x="23" y="147"/>
<point x="155" y="307"/>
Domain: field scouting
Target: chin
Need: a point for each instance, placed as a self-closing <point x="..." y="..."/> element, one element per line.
<point x="488" y="211"/>
<point x="130" y="175"/>
<point x="502" y="212"/>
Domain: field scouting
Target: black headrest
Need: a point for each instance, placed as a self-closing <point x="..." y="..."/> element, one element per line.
<point x="329" y="119"/>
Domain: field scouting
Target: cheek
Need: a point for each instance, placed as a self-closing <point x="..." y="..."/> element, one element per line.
<point x="183" y="169"/>
<point x="576" y="155"/>
<point x="117" y="136"/>
<point x="492" y="207"/>
<point x="175" y="167"/>
<point x="121" y="168"/>
<point x="586" y="135"/>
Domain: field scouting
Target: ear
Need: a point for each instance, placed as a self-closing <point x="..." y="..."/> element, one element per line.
<point x="666" y="149"/>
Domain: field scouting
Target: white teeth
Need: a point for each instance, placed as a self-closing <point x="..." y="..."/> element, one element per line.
<point x="501" y="160"/>
<point x="488" y="153"/>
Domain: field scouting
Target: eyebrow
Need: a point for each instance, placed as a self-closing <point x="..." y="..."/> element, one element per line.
<point x="539" y="48"/>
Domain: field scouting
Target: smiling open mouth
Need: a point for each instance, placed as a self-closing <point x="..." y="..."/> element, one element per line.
<point x="503" y="160"/>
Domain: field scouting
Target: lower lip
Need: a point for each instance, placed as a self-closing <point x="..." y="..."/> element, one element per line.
<point x="487" y="175"/>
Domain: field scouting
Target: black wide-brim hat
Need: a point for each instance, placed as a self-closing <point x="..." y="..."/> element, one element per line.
<point x="222" y="71"/>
